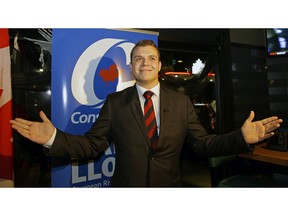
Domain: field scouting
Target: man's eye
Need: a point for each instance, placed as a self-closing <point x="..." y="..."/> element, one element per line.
<point x="153" y="59"/>
<point x="138" y="59"/>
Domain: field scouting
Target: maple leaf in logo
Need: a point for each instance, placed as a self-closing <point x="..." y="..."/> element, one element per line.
<point x="109" y="75"/>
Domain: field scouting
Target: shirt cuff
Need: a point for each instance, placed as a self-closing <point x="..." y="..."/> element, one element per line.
<point x="51" y="140"/>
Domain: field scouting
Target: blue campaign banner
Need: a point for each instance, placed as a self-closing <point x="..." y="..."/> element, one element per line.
<point x="87" y="65"/>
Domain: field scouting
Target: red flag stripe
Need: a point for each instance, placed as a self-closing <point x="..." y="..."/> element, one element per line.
<point x="4" y="38"/>
<point x="6" y="145"/>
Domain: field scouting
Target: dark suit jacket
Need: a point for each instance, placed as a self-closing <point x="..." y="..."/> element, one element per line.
<point x="121" y="121"/>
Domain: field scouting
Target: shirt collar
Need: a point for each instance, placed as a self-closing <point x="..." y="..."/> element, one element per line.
<point x="155" y="90"/>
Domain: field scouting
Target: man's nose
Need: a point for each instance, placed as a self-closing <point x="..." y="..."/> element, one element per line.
<point x="146" y="61"/>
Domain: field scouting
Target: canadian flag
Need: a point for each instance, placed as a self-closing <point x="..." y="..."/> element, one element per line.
<point x="6" y="145"/>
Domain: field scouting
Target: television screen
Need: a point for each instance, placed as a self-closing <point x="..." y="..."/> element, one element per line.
<point x="277" y="41"/>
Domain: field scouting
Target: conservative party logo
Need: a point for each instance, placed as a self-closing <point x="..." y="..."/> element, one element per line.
<point x="101" y="69"/>
<point x="98" y="61"/>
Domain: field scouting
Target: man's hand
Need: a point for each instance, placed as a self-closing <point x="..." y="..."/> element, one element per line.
<point x="38" y="132"/>
<point x="254" y="132"/>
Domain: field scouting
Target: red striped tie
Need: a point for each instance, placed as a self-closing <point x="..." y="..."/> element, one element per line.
<point x="150" y="120"/>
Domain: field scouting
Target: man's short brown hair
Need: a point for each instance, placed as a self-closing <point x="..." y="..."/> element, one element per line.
<point x="144" y="43"/>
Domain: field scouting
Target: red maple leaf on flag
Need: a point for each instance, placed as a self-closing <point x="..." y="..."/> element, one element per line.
<point x="109" y="75"/>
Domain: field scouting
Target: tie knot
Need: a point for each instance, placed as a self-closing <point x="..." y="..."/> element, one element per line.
<point x="148" y="94"/>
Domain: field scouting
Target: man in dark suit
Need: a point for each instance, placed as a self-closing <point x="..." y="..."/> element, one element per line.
<point x="121" y="121"/>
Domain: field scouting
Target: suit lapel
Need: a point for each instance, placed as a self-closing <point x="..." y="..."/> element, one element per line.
<point x="135" y="106"/>
<point x="164" y="111"/>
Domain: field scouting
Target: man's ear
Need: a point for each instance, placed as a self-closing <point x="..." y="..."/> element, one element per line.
<point x="160" y="65"/>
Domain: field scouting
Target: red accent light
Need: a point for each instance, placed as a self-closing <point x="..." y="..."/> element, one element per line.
<point x="177" y="73"/>
<point x="211" y="74"/>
